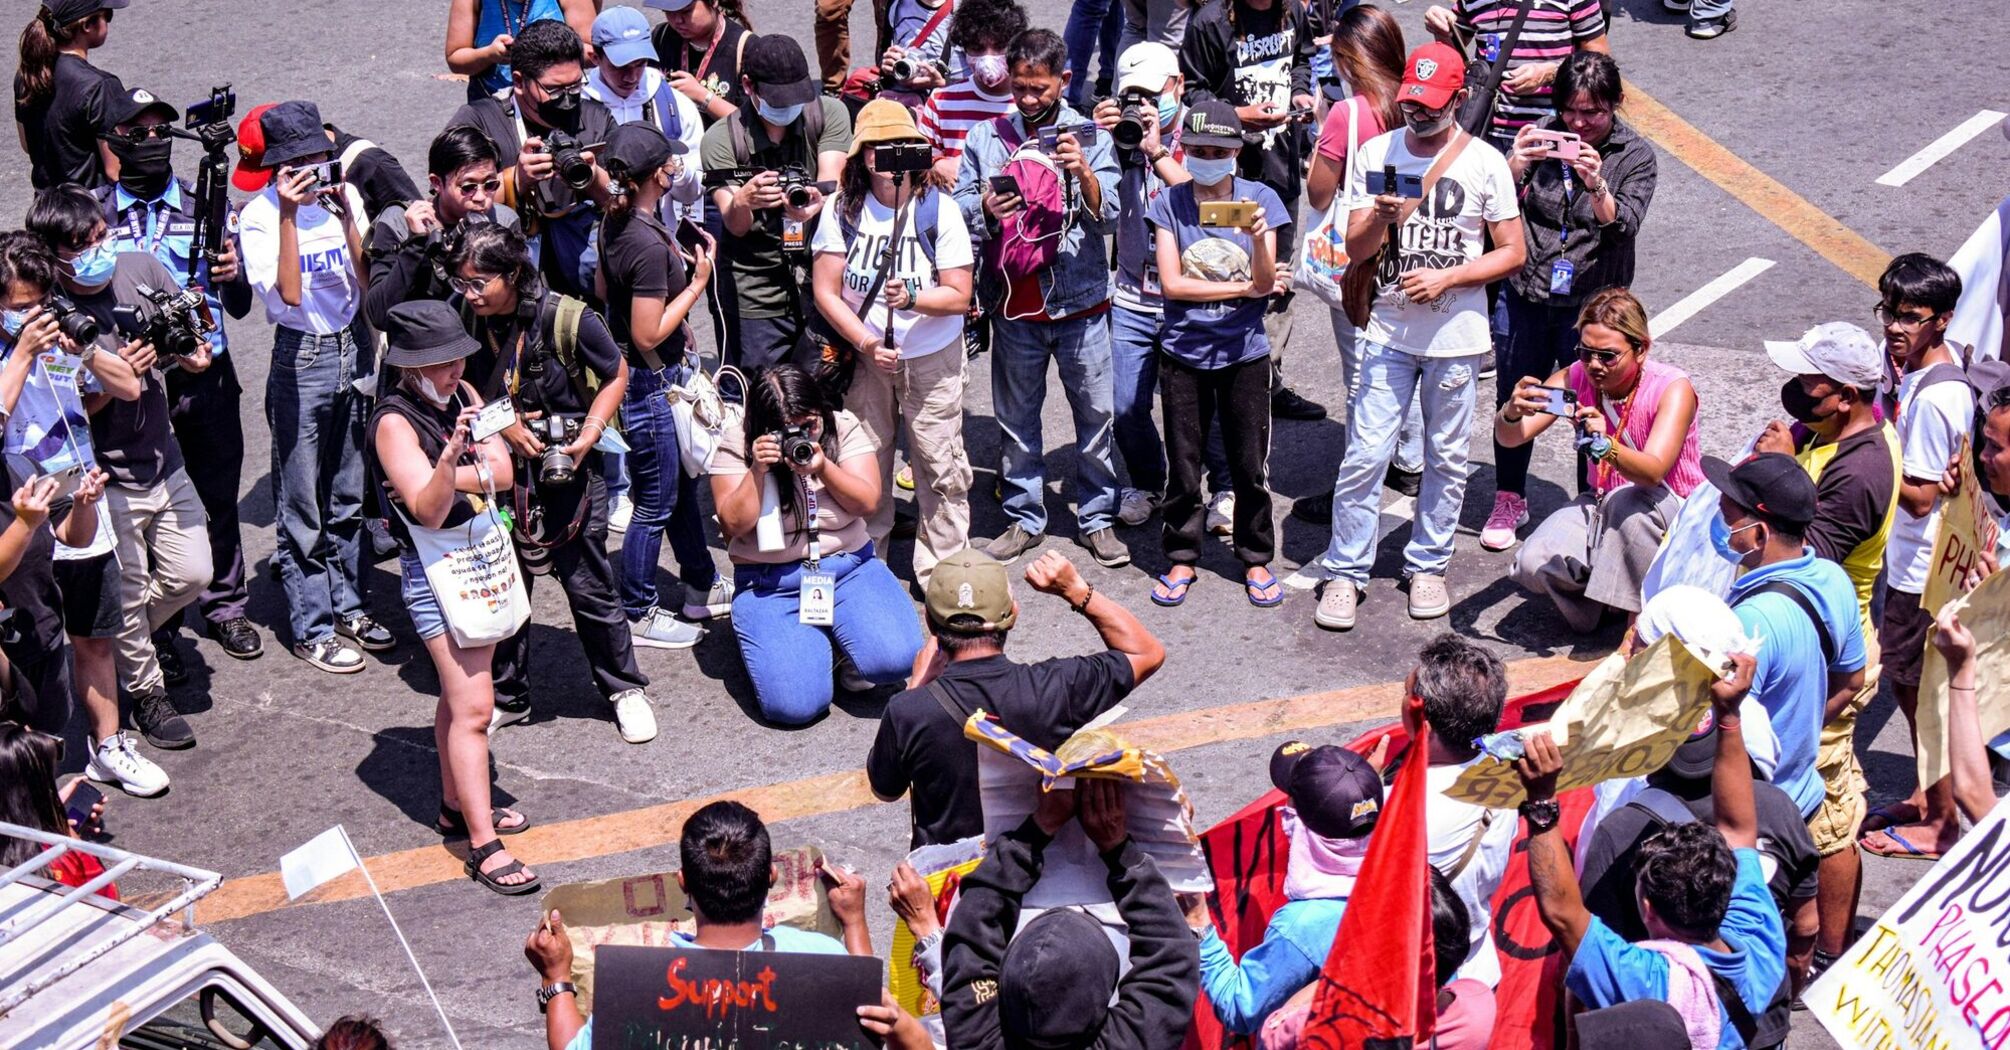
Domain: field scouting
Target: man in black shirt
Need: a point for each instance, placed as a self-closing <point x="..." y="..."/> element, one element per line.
<point x="555" y="360"/>
<point x="921" y="748"/>
<point x="407" y="240"/>
<point x="547" y="98"/>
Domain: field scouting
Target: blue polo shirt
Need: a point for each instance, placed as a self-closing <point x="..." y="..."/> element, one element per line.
<point x="1792" y="678"/>
<point x="165" y="230"/>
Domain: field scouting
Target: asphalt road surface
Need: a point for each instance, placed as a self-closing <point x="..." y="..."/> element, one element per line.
<point x="1772" y="139"/>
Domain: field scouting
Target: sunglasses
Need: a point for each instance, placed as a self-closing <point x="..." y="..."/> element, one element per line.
<point x="1890" y="315"/>
<point x="467" y="189"/>
<point x="1588" y="354"/>
<point x="137" y="135"/>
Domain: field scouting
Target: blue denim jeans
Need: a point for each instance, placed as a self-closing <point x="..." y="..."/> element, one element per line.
<point x="616" y="465"/>
<point x="1093" y="26"/>
<point x="665" y="498"/>
<point x="1541" y="339"/>
<point x="790" y="662"/>
<point x="1019" y="354"/>
<point x="1134" y="380"/>
<point x="1410" y="438"/>
<point x="1702" y="9"/>
<point x="1391" y="380"/>
<point x="317" y="478"/>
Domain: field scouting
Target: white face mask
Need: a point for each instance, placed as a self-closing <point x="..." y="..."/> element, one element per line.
<point x="989" y="69"/>
<point x="1207" y="172"/>
<point x="425" y="388"/>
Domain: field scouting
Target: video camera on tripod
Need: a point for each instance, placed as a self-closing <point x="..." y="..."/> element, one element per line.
<point x="209" y="124"/>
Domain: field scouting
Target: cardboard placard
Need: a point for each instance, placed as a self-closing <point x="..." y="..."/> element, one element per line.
<point x="1934" y="971"/>
<point x="1985" y="611"/>
<point x="703" y="999"/>
<point x="1966" y="530"/>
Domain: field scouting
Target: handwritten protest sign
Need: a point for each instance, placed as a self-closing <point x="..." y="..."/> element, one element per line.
<point x="942" y="866"/>
<point x="1625" y="719"/>
<point x="645" y="909"/>
<point x="1966" y="530"/>
<point x="1934" y="971"/>
<point x="1985" y="611"/>
<point x="700" y="999"/>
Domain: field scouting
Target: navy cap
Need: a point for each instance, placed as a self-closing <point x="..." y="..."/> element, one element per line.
<point x="1055" y="982"/>
<point x="636" y="148"/>
<point x="126" y="108"/>
<point x="780" y="73"/>
<point x="1335" y="791"/>
<point x="292" y="130"/>
<point x="64" y="12"/>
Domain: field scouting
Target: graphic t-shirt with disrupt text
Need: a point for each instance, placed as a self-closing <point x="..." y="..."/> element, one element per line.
<point x="1445" y="230"/>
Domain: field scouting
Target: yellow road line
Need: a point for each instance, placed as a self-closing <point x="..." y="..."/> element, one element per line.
<point x="1757" y="190"/>
<point x="650" y="826"/>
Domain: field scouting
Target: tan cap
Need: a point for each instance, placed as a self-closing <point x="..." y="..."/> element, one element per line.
<point x="972" y="584"/>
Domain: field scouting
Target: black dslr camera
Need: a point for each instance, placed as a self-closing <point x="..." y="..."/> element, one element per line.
<point x="798" y="448"/>
<point x="567" y="159"/>
<point x="796" y="186"/>
<point x="175" y="323"/>
<point x="554" y="466"/>
<point x="1131" y="117"/>
<point x="76" y="325"/>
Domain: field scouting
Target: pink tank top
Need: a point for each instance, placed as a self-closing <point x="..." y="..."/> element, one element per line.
<point x="1655" y="377"/>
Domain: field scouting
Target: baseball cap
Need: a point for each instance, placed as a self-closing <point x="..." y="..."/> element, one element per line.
<point x="1146" y="66"/>
<point x="64" y="12"/>
<point x="1839" y="350"/>
<point x="1434" y="73"/>
<point x="668" y="5"/>
<point x="1336" y="792"/>
<point x="124" y="109"/>
<point x="970" y="583"/>
<point x="292" y="130"/>
<point x="1772" y="485"/>
<point x="1055" y="982"/>
<point x="251" y="174"/>
<point x="1696" y="757"/>
<point x="883" y="120"/>
<point x="780" y="73"/>
<point x="637" y="146"/>
<point x="1212" y="123"/>
<point x="1988" y="376"/>
<point x="622" y="34"/>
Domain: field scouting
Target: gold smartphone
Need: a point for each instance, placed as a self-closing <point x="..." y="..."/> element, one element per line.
<point x="1239" y="214"/>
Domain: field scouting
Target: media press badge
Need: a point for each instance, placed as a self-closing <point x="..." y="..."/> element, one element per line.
<point x="793" y="238"/>
<point x="819" y="598"/>
<point x="1562" y="275"/>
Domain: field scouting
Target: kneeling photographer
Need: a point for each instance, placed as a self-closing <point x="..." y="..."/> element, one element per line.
<point x="408" y="243"/>
<point x="145" y="317"/>
<point x="556" y="363"/>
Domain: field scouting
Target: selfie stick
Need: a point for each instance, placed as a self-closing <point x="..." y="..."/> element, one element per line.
<point x="900" y="214"/>
<point x="1394" y="251"/>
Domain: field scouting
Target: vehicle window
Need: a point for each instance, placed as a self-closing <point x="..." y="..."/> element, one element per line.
<point x="181" y="1027"/>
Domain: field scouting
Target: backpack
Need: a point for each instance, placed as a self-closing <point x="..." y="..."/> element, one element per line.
<point x="1029" y="240"/>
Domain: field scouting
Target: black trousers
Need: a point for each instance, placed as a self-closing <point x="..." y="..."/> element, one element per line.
<point x="582" y="567"/>
<point x="1192" y="399"/>
<point x="40" y="695"/>
<point x="204" y="410"/>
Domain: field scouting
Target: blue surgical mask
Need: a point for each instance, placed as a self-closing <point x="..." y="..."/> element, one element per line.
<point x="780" y="117"/>
<point x="1209" y="172"/>
<point x="1720" y="538"/>
<point x="13" y="321"/>
<point x="94" y="266"/>
<point x="1168" y="111"/>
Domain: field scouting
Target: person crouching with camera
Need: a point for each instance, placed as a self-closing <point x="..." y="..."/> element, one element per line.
<point x="892" y="277"/>
<point x="1635" y="420"/>
<point x="430" y="469"/>
<point x="144" y="316"/>
<point x="560" y="367"/>
<point x="794" y="482"/>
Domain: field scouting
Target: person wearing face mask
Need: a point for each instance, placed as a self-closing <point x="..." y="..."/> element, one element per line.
<point x="624" y="80"/>
<point x="1635" y="420"/>
<point x="982" y="91"/>
<point x="150" y="210"/>
<point x="407" y="240"/>
<point x="62" y="103"/>
<point x="547" y="96"/>
<point x="426" y="468"/>
<point x="787" y="128"/>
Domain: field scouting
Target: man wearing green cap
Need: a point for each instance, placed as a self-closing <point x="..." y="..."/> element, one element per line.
<point x="963" y="669"/>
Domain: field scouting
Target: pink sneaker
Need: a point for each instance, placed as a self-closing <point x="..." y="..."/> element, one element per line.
<point x="1510" y="513"/>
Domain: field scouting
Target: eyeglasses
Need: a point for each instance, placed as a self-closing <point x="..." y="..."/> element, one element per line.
<point x="1890" y="315"/>
<point x="491" y="187"/>
<point x="1588" y="354"/>
<point x="555" y="90"/>
<point x="470" y="285"/>
<point x="141" y="133"/>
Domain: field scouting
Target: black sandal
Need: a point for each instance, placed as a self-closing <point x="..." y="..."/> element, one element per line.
<point x="488" y="878"/>
<point x="454" y="825"/>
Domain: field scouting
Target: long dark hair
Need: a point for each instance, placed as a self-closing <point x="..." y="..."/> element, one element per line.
<point x="855" y="182"/>
<point x="1368" y="50"/>
<point x="781" y="393"/>
<point x="28" y="761"/>
<point x="41" y="41"/>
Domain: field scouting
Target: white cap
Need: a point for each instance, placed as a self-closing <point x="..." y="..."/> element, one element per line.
<point x="1839" y="350"/>
<point x="1146" y="66"/>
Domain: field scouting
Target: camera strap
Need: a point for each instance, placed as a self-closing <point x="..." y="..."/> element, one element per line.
<point x="815" y="548"/>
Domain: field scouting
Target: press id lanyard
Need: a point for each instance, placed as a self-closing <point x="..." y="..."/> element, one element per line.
<point x="818" y="592"/>
<point x="1563" y="272"/>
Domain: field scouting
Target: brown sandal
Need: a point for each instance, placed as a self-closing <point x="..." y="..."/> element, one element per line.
<point x="488" y="878"/>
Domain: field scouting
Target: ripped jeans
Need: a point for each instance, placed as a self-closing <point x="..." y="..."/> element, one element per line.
<point x="1390" y="381"/>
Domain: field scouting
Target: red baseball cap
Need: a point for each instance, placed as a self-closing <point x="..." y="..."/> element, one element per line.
<point x="1433" y="75"/>
<point x="250" y="175"/>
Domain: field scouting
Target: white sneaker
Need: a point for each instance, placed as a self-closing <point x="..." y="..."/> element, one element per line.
<point x="716" y="602"/>
<point x="1221" y="514"/>
<point x="115" y="761"/>
<point x="657" y="629"/>
<point x="1135" y="506"/>
<point x="634" y="717"/>
<point x="621" y="513"/>
<point x="500" y="716"/>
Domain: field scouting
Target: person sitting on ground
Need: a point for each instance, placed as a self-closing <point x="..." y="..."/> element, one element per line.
<point x="1635" y="419"/>
<point x="1335" y="800"/>
<point x="962" y="668"/>
<point x="1055" y="985"/>
<point x="30" y="798"/>
<point x="1702" y="891"/>
<point x="727" y="869"/>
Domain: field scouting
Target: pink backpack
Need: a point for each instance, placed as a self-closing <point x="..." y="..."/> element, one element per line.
<point x="1029" y="240"/>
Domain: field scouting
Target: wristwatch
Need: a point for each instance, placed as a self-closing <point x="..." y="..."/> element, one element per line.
<point x="1541" y="815"/>
<point x="1162" y="154"/>
<point x="552" y="991"/>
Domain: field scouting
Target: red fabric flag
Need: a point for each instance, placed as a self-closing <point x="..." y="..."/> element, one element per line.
<point x="1379" y="986"/>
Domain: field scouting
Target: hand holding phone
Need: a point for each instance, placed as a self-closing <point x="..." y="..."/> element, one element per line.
<point x="491" y="419"/>
<point x="1559" y="401"/>
<point x="1405" y="185"/>
<point x="81" y="807"/>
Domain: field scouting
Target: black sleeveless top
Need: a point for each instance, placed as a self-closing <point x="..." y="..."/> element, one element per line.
<point x="433" y="427"/>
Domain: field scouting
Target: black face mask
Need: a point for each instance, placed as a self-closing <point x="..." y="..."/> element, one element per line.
<point x="561" y="110"/>
<point x="1801" y="405"/>
<point x="145" y="168"/>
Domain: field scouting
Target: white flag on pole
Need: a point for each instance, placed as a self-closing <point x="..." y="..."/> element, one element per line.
<point x="325" y="857"/>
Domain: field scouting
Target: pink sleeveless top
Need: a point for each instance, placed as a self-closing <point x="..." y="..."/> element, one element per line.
<point x="1655" y="377"/>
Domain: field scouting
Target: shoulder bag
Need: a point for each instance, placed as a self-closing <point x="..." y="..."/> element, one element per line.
<point x="1358" y="284"/>
<point x="700" y="413"/>
<point x="472" y="570"/>
<point x="1322" y="255"/>
<point x="1479" y="108"/>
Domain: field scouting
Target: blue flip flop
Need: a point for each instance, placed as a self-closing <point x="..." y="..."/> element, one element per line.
<point x="1257" y="591"/>
<point x="1175" y="590"/>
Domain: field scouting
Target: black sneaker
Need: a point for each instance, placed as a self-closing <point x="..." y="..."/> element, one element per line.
<point x="1317" y="510"/>
<point x="1403" y="482"/>
<point x="168" y="654"/>
<point x="1712" y="28"/>
<point x="238" y="638"/>
<point x="1107" y="549"/>
<point x="371" y="636"/>
<point x="1286" y="403"/>
<point x="1012" y="543"/>
<point x="161" y="724"/>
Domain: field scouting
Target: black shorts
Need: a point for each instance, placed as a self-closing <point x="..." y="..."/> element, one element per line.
<point x="1902" y="637"/>
<point x="90" y="589"/>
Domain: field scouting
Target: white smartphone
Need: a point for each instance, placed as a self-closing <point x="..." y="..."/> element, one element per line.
<point x="492" y="419"/>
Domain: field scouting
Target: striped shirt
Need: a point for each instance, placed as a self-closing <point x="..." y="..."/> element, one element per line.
<point x="1555" y="28"/>
<point x="950" y="113"/>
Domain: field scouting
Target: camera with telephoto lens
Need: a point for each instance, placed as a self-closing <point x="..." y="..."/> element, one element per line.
<point x="175" y="323"/>
<point x="554" y="465"/>
<point x="1131" y="120"/>
<point x="798" y="447"/>
<point x="76" y="325"/>
<point x="567" y="159"/>
<point x="796" y="186"/>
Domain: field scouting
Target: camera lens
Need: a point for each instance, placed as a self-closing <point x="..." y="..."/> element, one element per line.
<point x="1130" y="128"/>
<point x="554" y="466"/>
<point x="799" y="196"/>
